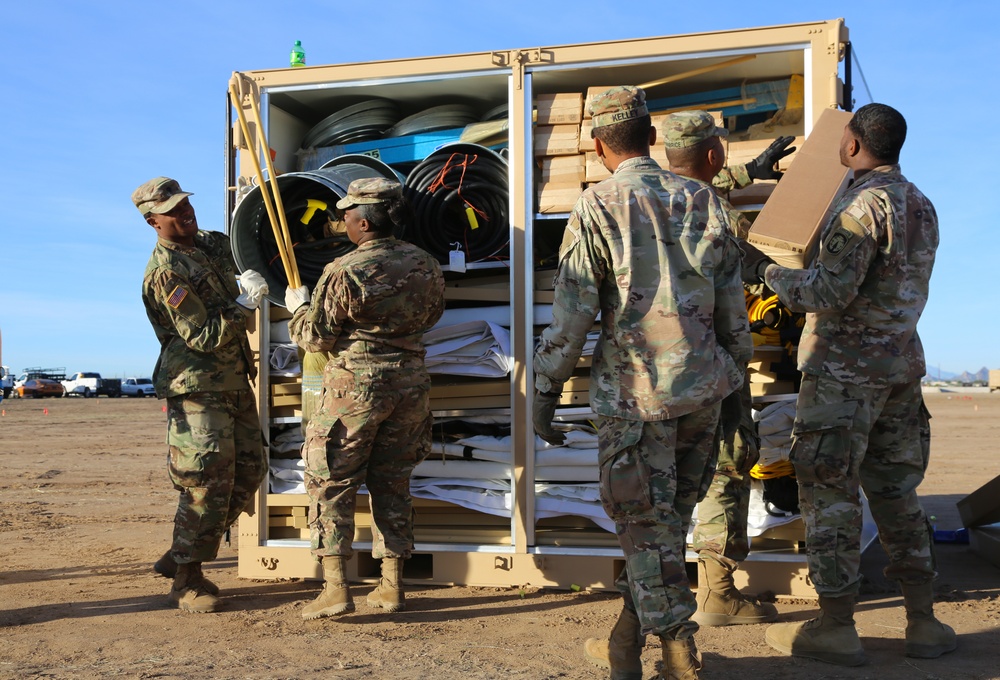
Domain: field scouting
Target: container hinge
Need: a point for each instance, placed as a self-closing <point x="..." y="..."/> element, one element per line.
<point x="518" y="59"/>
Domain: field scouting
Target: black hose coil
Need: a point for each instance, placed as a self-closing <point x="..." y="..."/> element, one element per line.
<point x="459" y="195"/>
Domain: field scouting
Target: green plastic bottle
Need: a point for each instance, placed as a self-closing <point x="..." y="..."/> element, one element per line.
<point x="298" y="57"/>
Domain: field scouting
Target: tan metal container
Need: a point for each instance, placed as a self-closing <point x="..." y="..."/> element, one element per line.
<point x="520" y="549"/>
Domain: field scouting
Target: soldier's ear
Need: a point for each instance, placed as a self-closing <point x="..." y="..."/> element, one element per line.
<point x="598" y="147"/>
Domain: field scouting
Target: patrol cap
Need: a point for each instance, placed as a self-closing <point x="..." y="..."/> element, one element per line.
<point x="370" y="190"/>
<point x="687" y="128"/>
<point x="618" y="105"/>
<point x="159" y="195"/>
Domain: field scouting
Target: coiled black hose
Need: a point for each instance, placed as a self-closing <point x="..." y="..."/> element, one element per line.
<point x="314" y="248"/>
<point x="459" y="195"/>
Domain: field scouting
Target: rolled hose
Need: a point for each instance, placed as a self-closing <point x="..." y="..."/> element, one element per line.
<point x="459" y="196"/>
<point x="309" y="196"/>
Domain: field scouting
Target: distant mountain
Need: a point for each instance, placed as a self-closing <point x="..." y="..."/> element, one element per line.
<point x="982" y="375"/>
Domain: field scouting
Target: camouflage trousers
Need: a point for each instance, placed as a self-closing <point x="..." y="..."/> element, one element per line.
<point x="371" y="430"/>
<point x="652" y="476"/>
<point x="216" y="461"/>
<point x="847" y="438"/>
<point x="720" y="528"/>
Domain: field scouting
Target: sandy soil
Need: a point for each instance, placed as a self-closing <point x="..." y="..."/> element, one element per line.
<point x="85" y="509"/>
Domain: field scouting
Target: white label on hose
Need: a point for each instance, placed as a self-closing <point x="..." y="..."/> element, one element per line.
<point x="456" y="260"/>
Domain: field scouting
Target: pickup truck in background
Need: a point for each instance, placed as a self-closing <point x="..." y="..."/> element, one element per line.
<point x="92" y="385"/>
<point x="138" y="387"/>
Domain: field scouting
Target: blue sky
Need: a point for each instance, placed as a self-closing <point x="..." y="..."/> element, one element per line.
<point x="100" y="96"/>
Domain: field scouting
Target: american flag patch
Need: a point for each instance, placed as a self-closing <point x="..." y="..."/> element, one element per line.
<point x="177" y="297"/>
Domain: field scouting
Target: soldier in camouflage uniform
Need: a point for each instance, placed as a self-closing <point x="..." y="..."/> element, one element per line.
<point x="200" y="316"/>
<point x="694" y="149"/>
<point x="651" y="253"/>
<point x="861" y="421"/>
<point x="370" y="309"/>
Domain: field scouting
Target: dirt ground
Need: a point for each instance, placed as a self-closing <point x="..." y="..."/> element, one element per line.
<point x="86" y="508"/>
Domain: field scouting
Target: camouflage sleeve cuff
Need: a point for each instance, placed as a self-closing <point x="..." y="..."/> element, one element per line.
<point x="547" y="385"/>
<point x="731" y="178"/>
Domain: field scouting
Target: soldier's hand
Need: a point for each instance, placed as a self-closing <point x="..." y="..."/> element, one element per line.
<point x="752" y="264"/>
<point x="730" y="415"/>
<point x="254" y="289"/>
<point x="764" y="166"/>
<point x="296" y="297"/>
<point x="542" y="412"/>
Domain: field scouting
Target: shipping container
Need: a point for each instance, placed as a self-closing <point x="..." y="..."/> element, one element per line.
<point x="517" y="118"/>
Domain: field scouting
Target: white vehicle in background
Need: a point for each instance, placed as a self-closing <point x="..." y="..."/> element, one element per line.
<point x="89" y="385"/>
<point x="138" y="387"/>
<point x="6" y="381"/>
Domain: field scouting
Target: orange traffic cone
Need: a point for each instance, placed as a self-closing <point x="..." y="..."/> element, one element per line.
<point x="45" y="411"/>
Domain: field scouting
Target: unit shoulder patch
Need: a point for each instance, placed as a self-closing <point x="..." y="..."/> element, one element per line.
<point x="845" y="234"/>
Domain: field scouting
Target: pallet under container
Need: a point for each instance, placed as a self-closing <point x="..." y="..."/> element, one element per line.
<point x="456" y="545"/>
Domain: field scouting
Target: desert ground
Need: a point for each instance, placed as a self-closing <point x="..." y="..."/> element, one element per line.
<point x="86" y="508"/>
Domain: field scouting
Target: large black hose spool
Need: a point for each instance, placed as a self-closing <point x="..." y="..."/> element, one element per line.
<point x="459" y="196"/>
<point x="309" y="200"/>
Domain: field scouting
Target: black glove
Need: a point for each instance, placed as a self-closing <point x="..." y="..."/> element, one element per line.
<point x="764" y="166"/>
<point x="542" y="412"/>
<point x="730" y="415"/>
<point x="752" y="264"/>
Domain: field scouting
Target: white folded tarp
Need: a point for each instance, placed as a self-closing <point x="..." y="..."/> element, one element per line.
<point x="498" y="314"/>
<point x="479" y="348"/>
<point x="285" y="358"/>
<point x="774" y="425"/>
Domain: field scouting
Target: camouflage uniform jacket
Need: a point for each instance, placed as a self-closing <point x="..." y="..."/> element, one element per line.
<point x="190" y="298"/>
<point x="372" y="306"/>
<point x="651" y="252"/>
<point x="731" y="178"/>
<point x="728" y="179"/>
<point x="869" y="285"/>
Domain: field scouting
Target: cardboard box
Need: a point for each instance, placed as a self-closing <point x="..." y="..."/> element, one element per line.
<point x="557" y="140"/>
<point x="559" y="108"/>
<point x="586" y="141"/>
<point x="596" y="171"/>
<point x="753" y="194"/>
<point x="982" y="506"/>
<point x="985" y="542"/>
<point x="761" y="389"/>
<point x="558" y="197"/>
<point x="788" y="227"/>
<point x="563" y="169"/>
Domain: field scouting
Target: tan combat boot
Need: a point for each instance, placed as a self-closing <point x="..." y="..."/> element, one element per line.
<point x="721" y="604"/>
<point x="389" y="594"/>
<point x="166" y="567"/>
<point x="335" y="598"/>
<point x="681" y="659"/>
<point x="926" y="637"/>
<point x="189" y="593"/>
<point x="831" y="637"/>
<point x="622" y="654"/>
